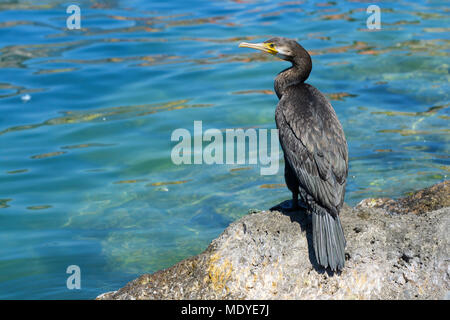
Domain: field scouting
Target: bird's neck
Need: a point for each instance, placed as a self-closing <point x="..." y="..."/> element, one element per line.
<point x="296" y="74"/>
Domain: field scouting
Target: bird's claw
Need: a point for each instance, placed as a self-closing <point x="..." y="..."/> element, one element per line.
<point x="292" y="208"/>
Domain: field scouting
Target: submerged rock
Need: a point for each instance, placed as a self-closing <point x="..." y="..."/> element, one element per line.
<point x="269" y="255"/>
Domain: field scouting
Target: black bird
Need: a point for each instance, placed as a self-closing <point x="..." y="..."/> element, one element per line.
<point x="315" y="149"/>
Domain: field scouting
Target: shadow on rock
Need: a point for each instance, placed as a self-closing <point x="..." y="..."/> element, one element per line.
<point x="301" y="217"/>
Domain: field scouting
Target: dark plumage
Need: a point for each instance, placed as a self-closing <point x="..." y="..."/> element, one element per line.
<point x="315" y="149"/>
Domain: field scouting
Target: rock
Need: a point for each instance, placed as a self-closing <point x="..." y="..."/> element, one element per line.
<point x="423" y="201"/>
<point x="269" y="255"/>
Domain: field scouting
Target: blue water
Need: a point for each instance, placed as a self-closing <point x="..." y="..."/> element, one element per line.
<point x="86" y="118"/>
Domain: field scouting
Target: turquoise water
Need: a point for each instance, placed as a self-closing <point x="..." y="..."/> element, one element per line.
<point x="86" y="118"/>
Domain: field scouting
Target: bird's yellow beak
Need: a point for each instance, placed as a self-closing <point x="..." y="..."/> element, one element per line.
<point x="263" y="46"/>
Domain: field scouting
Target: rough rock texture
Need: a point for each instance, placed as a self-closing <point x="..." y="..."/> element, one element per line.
<point x="269" y="255"/>
<point x="423" y="201"/>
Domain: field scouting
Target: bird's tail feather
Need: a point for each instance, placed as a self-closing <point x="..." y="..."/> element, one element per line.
<point x="328" y="239"/>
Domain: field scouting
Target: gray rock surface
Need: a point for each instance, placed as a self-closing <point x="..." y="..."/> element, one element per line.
<point x="391" y="254"/>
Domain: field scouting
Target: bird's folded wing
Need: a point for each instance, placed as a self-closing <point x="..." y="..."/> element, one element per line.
<point x="314" y="144"/>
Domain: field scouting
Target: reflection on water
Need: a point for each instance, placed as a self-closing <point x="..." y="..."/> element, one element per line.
<point x="429" y="112"/>
<point x="113" y="113"/>
<point x="47" y="155"/>
<point x="87" y="116"/>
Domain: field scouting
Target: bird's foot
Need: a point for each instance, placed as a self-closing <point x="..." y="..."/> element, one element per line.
<point x="278" y="207"/>
<point x="283" y="207"/>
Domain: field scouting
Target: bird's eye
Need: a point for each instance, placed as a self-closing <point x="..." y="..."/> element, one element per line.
<point x="272" y="45"/>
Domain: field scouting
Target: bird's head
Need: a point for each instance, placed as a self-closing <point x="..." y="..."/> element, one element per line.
<point x="283" y="48"/>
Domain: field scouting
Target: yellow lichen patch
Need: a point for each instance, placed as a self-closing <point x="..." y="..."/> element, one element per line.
<point x="144" y="281"/>
<point x="361" y="280"/>
<point x="219" y="273"/>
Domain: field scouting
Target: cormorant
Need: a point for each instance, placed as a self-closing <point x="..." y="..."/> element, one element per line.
<point x="314" y="146"/>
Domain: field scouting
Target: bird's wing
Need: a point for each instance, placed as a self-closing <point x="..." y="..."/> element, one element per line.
<point x="314" y="144"/>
